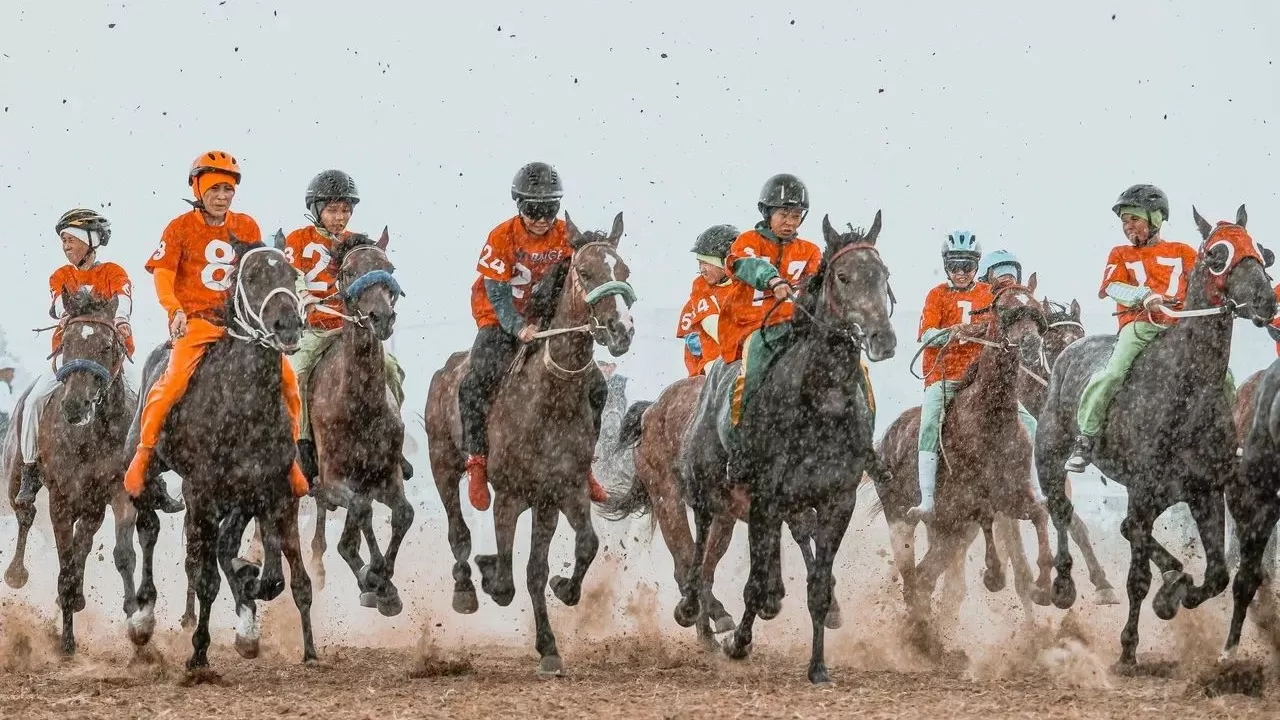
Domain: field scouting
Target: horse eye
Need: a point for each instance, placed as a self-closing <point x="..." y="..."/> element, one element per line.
<point x="842" y="277"/>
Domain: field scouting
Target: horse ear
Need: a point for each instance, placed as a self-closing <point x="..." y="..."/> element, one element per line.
<point x="1242" y="217"/>
<point x="616" y="233"/>
<point x="1075" y="309"/>
<point x="383" y="239"/>
<point x="1201" y="224"/>
<point x="874" y="232"/>
<point x="829" y="233"/>
<point x="1031" y="283"/>
<point x="571" y="230"/>
<point x="279" y="239"/>
<point x="67" y="303"/>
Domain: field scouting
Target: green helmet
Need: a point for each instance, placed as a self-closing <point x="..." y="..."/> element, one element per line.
<point x="1148" y="197"/>
<point x="715" y="241"/>
<point x="784" y="190"/>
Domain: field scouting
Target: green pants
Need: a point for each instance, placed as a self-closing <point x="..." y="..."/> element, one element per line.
<point x="935" y="397"/>
<point x="1104" y="384"/>
<point x="311" y="348"/>
<point x="757" y="355"/>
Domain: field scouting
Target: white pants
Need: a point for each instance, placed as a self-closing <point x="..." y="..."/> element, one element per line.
<point x="44" y="386"/>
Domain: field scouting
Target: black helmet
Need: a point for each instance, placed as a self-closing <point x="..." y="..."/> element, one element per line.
<point x="715" y="241"/>
<point x="1147" y="197"/>
<point x="785" y="190"/>
<point x="536" y="181"/>
<point x="330" y="185"/>
<point x="91" y="221"/>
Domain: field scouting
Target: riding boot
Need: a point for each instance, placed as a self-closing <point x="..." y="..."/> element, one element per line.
<point x="876" y="469"/>
<point x="928" y="464"/>
<point x="478" y="482"/>
<point x="156" y="495"/>
<point x="308" y="461"/>
<point x="31" y="484"/>
<point x="1081" y="454"/>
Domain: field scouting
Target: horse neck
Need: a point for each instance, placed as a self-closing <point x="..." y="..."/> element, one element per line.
<point x="1200" y="347"/>
<point x="995" y="376"/>
<point x="362" y="357"/>
<point x="571" y="350"/>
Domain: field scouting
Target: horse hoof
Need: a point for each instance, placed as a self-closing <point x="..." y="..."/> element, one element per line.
<point x="16" y="577"/>
<point x="686" y="612"/>
<point x="770" y="608"/>
<point x="201" y="675"/>
<point x="68" y="648"/>
<point x="1106" y="596"/>
<point x="551" y="666"/>
<point x="721" y="624"/>
<point x="994" y="580"/>
<point x="247" y="647"/>
<point x="187" y="622"/>
<point x="1064" y="592"/>
<point x="368" y="599"/>
<point x="1041" y="596"/>
<point x="465" y="602"/>
<point x="735" y="651"/>
<point x="821" y="678"/>
<point x="78" y="604"/>
<point x="244" y="570"/>
<point x="565" y="589"/>
<point x="488" y="565"/>
<point x="141" y="626"/>
<point x="835" y="618"/>
<point x="390" y="605"/>
<point x="1171" y="594"/>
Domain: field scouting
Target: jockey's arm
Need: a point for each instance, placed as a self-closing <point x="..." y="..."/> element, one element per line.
<point x="754" y="271"/>
<point x="165" y="281"/>
<point x="1127" y="295"/>
<point x="936" y="337"/>
<point x="504" y="306"/>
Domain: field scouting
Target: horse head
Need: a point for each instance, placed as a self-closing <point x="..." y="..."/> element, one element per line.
<point x="92" y="354"/>
<point x="264" y="304"/>
<point x="598" y="275"/>
<point x="1020" y="322"/>
<point x="1065" y="328"/>
<point x="1231" y="270"/>
<point x="367" y="284"/>
<point x="852" y="289"/>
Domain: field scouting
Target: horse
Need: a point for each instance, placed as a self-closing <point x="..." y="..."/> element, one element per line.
<point x="81" y="457"/>
<point x="987" y="459"/>
<point x="541" y="432"/>
<point x="357" y="427"/>
<point x="803" y="438"/>
<point x="1169" y="435"/>
<point x="230" y="439"/>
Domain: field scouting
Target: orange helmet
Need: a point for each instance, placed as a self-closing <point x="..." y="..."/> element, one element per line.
<point x="213" y="161"/>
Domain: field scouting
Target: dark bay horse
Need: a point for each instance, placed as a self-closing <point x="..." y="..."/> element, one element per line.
<point x="803" y="436"/>
<point x="82" y="459"/>
<point x="1169" y="436"/>
<point x="356" y="424"/>
<point x="230" y="439"/>
<point x="987" y="459"/>
<point x="541" y="431"/>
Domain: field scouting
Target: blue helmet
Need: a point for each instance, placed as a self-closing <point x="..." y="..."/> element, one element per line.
<point x="997" y="263"/>
<point x="961" y="245"/>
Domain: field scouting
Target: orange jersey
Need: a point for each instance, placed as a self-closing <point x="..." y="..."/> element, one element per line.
<point x="1163" y="268"/>
<point x="308" y="250"/>
<point x="103" y="280"/>
<point x="703" y="304"/>
<point x="742" y="307"/>
<point x="513" y="256"/>
<point x="202" y="258"/>
<point x="944" y="307"/>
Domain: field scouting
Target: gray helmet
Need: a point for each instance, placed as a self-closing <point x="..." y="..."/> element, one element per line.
<point x="715" y="241"/>
<point x="536" y="181"/>
<point x="1147" y="197"/>
<point x="785" y="190"/>
<point x="330" y="185"/>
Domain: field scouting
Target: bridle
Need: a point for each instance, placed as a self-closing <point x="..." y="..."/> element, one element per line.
<point x="251" y="326"/>
<point x="352" y="292"/>
<point x="854" y="334"/>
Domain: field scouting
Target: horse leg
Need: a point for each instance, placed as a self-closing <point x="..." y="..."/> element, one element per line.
<point x="577" y="510"/>
<point x="545" y="519"/>
<point x="16" y="576"/>
<point x="1053" y="480"/>
<point x="993" y="575"/>
<point x="1136" y="528"/>
<point x="143" y="621"/>
<point x="669" y="510"/>
<point x="902" y="544"/>
<point x="718" y="538"/>
<point x="401" y="519"/>
<point x="63" y="536"/>
<point x="125" y="516"/>
<point x="1249" y="576"/>
<point x="241" y="582"/>
<point x="944" y="546"/>
<point x="764" y="530"/>
<point x="271" y="584"/>
<point x="1044" y="558"/>
<point x="191" y="564"/>
<point x="697" y="583"/>
<point x="803" y="529"/>
<point x="495" y="570"/>
<point x="1097" y="574"/>
<point x="202" y="540"/>
<point x="1009" y="537"/>
<point x="318" y="545"/>
<point x="299" y="581"/>
<point x="953" y="578"/>
<point x="349" y="547"/>
<point x="1208" y="511"/>
<point x="831" y="524"/>
<point x="464" y="591"/>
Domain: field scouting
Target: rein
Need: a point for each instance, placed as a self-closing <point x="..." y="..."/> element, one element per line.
<point x="362" y="283"/>
<point x="855" y="334"/>
<point x="101" y="372"/>
<point x="254" y="329"/>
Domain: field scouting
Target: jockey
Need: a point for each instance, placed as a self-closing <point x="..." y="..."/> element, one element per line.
<point x="192" y="270"/>
<point x="700" y="317"/>
<point x="82" y="232"/>
<point x="999" y="269"/>
<point x="331" y="197"/>
<point x="515" y="258"/>
<point x="947" y="317"/>
<point x="1141" y="277"/>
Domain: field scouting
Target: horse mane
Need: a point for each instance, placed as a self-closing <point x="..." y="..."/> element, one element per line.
<point x="808" y="299"/>
<point x="346" y="245"/>
<point x="546" y="294"/>
<point x="1058" y="312"/>
<point x="83" y="303"/>
<point x="241" y="247"/>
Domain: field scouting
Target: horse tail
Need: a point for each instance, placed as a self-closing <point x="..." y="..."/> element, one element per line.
<point x="629" y="432"/>
<point x="634" y="502"/>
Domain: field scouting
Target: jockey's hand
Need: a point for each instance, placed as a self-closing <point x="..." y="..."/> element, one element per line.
<point x="968" y="330"/>
<point x="178" y="325"/>
<point x="124" y="329"/>
<point x="526" y="333"/>
<point x="1153" y="302"/>
<point x="781" y="289"/>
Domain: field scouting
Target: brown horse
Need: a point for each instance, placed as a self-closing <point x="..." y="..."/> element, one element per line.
<point x="541" y="431"/>
<point x="987" y="457"/>
<point x="357" y="427"/>
<point x="230" y="440"/>
<point x="82" y="458"/>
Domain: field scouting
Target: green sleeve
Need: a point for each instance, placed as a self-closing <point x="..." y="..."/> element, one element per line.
<point x="756" y="272"/>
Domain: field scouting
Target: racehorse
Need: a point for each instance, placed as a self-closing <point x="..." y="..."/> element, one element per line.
<point x="987" y="458"/>
<point x="1169" y="435"/>
<point x="230" y="439"/>
<point x="81" y="456"/>
<point x="541" y="431"/>
<point x="356" y="424"/>
<point x="803" y="437"/>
